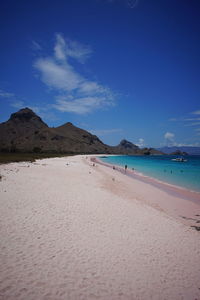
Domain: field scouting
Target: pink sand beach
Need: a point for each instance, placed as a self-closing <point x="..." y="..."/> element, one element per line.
<point x="74" y="231"/>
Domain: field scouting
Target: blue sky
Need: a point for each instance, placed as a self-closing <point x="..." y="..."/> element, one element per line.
<point x="117" y="68"/>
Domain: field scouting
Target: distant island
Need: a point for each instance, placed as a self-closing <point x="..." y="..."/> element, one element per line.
<point x="25" y="131"/>
<point x="180" y="150"/>
<point x="179" y="153"/>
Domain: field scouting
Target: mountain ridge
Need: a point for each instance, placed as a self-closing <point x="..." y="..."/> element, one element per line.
<point x="25" y="131"/>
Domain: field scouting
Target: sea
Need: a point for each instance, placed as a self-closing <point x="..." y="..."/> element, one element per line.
<point x="161" y="167"/>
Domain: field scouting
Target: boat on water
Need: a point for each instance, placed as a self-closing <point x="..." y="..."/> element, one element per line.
<point x="179" y="159"/>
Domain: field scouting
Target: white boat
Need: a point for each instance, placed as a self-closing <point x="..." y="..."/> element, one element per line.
<point x="179" y="159"/>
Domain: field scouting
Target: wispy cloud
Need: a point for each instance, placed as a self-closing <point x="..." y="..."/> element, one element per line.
<point x="192" y="124"/>
<point x="65" y="48"/>
<point x="185" y="144"/>
<point x="45" y="113"/>
<point x="11" y="99"/>
<point x="18" y="104"/>
<point x="132" y="3"/>
<point x="197" y="131"/>
<point x="192" y="119"/>
<point x="189" y="118"/>
<point x="75" y="93"/>
<point x="189" y="121"/>
<point x="36" y="46"/>
<point x="103" y="132"/>
<point x="197" y="112"/>
<point x="173" y="119"/>
<point x="4" y="94"/>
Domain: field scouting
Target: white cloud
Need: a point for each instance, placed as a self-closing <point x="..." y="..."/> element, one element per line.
<point x="75" y="93"/>
<point x="169" y="136"/>
<point x="103" y="132"/>
<point x="92" y="87"/>
<point x="81" y="105"/>
<point x="169" y="139"/>
<point x="58" y="76"/>
<point x="140" y="143"/>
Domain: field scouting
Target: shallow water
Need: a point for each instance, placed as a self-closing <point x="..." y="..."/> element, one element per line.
<point x="184" y="174"/>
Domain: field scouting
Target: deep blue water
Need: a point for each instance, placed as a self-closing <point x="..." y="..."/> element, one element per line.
<point x="184" y="174"/>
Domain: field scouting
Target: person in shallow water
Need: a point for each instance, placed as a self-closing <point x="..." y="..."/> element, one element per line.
<point x="125" y="168"/>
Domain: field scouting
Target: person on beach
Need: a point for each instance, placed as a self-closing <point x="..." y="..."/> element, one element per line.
<point x="125" y="168"/>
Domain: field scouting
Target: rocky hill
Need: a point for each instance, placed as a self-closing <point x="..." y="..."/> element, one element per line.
<point x="26" y="132"/>
<point x="126" y="147"/>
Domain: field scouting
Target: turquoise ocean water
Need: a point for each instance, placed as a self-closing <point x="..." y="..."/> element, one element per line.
<point x="184" y="174"/>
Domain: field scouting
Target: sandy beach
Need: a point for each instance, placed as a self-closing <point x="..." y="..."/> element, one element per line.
<point x="74" y="231"/>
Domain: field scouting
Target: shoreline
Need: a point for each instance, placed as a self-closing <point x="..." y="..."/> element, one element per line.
<point x="168" y="187"/>
<point x="182" y="204"/>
